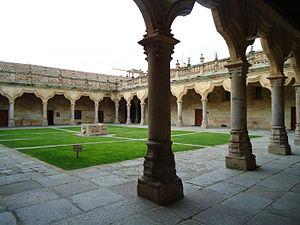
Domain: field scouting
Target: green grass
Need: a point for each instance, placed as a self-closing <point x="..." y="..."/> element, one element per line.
<point x="112" y="149"/>
<point x="94" y="154"/>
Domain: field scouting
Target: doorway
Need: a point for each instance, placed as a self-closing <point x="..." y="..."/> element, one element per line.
<point x="198" y="117"/>
<point x="50" y="117"/>
<point x="293" y="118"/>
<point x="3" y="118"/>
<point x="100" y="116"/>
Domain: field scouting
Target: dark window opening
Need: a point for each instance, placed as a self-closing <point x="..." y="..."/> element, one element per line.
<point x="77" y="114"/>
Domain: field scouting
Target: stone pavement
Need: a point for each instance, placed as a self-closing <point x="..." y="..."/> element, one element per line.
<point x="33" y="192"/>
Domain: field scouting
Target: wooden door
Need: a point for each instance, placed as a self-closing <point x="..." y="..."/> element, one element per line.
<point x="3" y="118"/>
<point x="50" y="117"/>
<point x="198" y="117"/>
<point x="293" y="118"/>
<point x="100" y="116"/>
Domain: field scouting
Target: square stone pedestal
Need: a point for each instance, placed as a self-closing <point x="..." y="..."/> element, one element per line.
<point x="93" y="129"/>
<point x="161" y="194"/>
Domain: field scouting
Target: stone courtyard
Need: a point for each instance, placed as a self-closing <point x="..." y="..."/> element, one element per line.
<point x="33" y="192"/>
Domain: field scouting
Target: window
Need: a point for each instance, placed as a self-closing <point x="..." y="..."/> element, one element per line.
<point x="77" y="114"/>
<point x="258" y="92"/>
<point x="227" y="96"/>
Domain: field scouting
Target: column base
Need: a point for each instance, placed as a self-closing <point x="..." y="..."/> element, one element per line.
<point x="45" y="123"/>
<point x="159" y="183"/>
<point x="160" y="193"/>
<point x="11" y="123"/>
<point x="72" y="122"/>
<point x="117" y="122"/>
<point x="279" y="141"/>
<point x="204" y="125"/>
<point x="297" y="135"/>
<point x="142" y="123"/>
<point x="180" y="124"/>
<point x="240" y="152"/>
<point x="241" y="162"/>
<point x="297" y="141"/>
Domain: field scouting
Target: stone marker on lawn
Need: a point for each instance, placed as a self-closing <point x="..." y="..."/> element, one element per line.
<point x="93" y="129"/>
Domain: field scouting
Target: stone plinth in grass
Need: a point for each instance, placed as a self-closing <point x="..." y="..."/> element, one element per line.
<point x="93" y="129"/>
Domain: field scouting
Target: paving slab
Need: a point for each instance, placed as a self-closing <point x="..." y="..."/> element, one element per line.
<point x="19" y="187"/>
<point x="163" y="215"/>
<point x="223" y="214"/>
<point x="265" y="192"/>
<point x="4" y="179"/>
<point x="281" y="182"/>
<point x="106" y="181"/>
<point x="46" y="212"/>
<point x="92" y="199"/>
<point x="27" y="198"/>
<point x="7" y="218"/>
<point x="136" y="220"/>
<point x="285" y="208"/>
<point x="268" y="218"/>
<point x="249" y="203"/>
<point x="75" y="188"/>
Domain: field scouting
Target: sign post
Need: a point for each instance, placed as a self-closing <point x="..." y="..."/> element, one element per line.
<point x="77" y="149"/>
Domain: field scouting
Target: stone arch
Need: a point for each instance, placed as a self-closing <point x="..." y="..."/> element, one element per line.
<point x="58" y="109"/>
<point x="4" y="110"/>
<point x="84" y="110"/>
<point x="28" y="109"/>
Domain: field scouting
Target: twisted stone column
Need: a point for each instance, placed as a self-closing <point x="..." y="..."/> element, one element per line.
<point x="142" y="114"/>
<point x="11" y="114"/>
<point x="72" y="119"/>
<point x="45" y="119"/>
<point x="96" y="120"/>
<point x="179" y="113"/>
<point x="240" y="150"/>
<point x="117" y="113"/>
<point x="204" y="113"/>
<point x="279" y="139"/>
<point x="297" y="131"/>
<point x="159" y="182"/>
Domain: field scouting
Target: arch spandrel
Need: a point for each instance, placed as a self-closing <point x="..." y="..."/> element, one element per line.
<point x="73" y="96"/>
<point x="227" y="85"/>
<point x="96" y="97"/>
<point x="12" y="92"/>
<point x="142" y="95"/>
<point x="44" y="94"/>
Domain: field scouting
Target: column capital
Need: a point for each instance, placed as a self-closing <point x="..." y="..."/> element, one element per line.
<point x="204" y="100"/>
<point x="179" y="101"/>
<point x="277" y="80"/>
<point x="158" y="36"/>
<point x="158" y="43"/>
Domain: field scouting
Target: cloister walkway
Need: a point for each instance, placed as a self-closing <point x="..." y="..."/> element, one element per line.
<point x="33" y="192"/>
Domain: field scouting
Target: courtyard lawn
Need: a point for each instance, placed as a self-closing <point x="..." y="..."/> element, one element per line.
<point x="55" y="146"/>
<point x="95" y="154"/>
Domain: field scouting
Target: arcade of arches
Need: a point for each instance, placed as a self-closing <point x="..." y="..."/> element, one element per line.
<point x="255" y="89"/>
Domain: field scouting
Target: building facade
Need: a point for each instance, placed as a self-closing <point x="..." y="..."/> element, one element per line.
<point x="200" y="95"/>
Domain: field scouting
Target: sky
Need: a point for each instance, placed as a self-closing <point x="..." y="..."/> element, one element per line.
<point x="96" y="35"/>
